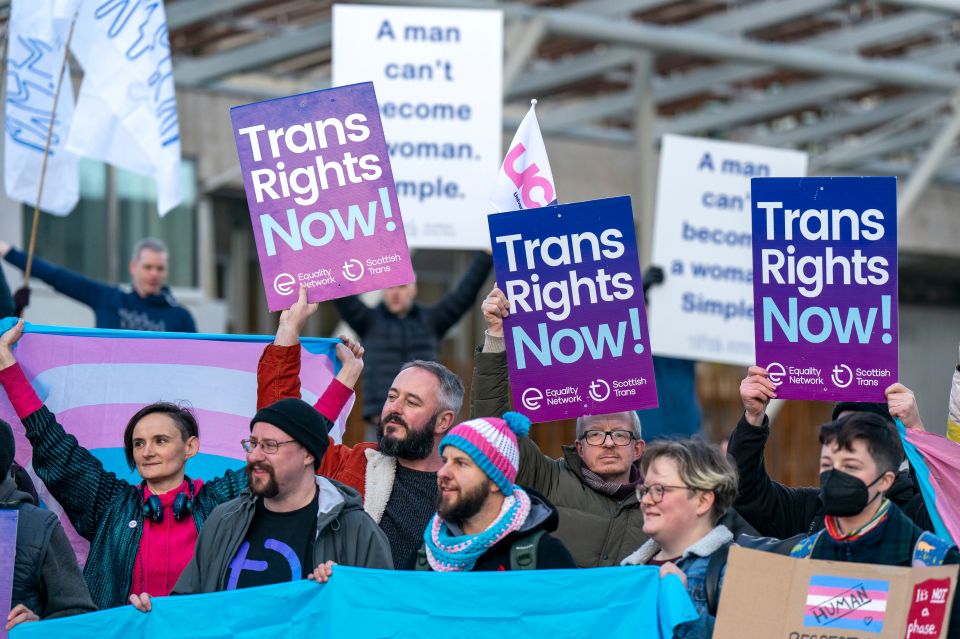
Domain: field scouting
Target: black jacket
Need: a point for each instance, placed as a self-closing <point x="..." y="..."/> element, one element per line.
<point x="780" y="511"/>
<point x="46" y="577"/>
<point x="391" y="341"/>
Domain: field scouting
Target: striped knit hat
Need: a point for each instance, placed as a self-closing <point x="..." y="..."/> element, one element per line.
<point x="492" y="444"/>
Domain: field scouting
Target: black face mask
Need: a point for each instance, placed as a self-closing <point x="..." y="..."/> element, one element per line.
<point x="844" y="495"/>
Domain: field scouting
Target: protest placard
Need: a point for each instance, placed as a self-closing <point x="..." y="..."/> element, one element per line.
<point x="825" y="260"/>
<point x="704" y="308"/>
<point x="811" y="599"/>
<point x="322" y="200"/>
<point x="577" y="341"/>
<point x="438" y="73"/>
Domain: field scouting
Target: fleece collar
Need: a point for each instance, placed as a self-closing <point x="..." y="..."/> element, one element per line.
<point x="708" y="544"/>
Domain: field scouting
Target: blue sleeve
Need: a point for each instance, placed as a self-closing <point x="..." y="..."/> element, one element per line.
<point x="71" y="284"/>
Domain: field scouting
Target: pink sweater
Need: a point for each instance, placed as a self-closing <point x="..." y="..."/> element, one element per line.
<point x="165" y="548"/>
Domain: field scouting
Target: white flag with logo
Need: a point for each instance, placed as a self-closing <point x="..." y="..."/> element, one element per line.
<point x="127" y="111"/>
<point x="525" y="180"/>
<point x="37" y="39"/>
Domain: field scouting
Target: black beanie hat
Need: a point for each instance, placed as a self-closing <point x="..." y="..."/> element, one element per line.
<point x="877" y="408"/>
<point x="301" y="421"/>
<point x="7" y="448"/>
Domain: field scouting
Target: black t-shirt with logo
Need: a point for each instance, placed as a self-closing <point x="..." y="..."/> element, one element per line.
<point x="278" y="547"/>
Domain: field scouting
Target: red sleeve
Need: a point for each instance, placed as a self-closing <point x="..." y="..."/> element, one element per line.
<point x="333" y="400"/>
<point x="278" y="374"/>
<point x="22" y="395"/>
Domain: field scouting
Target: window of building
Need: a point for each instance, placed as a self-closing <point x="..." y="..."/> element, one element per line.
<point x="89" y="242"/>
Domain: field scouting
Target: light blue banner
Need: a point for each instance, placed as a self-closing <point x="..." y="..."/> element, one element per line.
<point x="358" y="603"/>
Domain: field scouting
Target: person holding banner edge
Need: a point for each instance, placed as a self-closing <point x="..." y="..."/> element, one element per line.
<point x="141" y="535"/>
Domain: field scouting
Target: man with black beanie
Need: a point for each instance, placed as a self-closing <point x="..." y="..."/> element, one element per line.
<point x="47" y="582"/>
<point x="290" y="520"/>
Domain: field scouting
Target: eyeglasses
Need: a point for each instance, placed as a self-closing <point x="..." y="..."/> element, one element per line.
<point x="599" y="437"/>
<point x="268" y="446"/>
<point x="656" y="491"/>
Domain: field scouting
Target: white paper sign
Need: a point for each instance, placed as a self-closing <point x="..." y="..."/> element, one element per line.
<point x="702" y="241"/>
<point x="438" y="78"/>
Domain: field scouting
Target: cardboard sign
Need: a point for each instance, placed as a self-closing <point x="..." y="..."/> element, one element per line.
<point x="321" y="194"/>
<point x="704" y="308"/>
<point x="811" y="599"/>
<point x="577" y="340"/>
<point x="825" y="285"/>
<point x="438" y="73"/>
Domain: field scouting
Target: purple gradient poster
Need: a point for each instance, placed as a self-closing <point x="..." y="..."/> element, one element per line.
<point x="321" y="194"/>
<point x="825" y="285"/>
<point x="577" y="341"/>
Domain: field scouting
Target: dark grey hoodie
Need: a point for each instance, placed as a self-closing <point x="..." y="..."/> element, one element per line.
<point x="345" y="534"/>
<point x="46" y="577"/>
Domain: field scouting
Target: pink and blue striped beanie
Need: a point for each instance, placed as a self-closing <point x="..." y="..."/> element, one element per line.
<point x="492" y="444"/>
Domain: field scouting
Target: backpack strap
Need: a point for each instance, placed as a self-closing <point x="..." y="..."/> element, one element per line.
<point x="523" y="552"/>
<point x="804" y="548"/>
<point x="422" y="563"/>
<point x="930" y="550"/>
<point x="715" y="566"/>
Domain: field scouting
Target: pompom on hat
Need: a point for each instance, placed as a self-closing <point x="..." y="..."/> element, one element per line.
<point x="492" y="444"/>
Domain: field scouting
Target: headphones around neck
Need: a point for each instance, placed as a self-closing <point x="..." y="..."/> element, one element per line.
<point x="182" y="504"/>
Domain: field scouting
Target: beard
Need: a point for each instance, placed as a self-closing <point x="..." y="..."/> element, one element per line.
<point x="418" y="444"/>
<point x="269" y="488"/>
<point x="467" y="506"/>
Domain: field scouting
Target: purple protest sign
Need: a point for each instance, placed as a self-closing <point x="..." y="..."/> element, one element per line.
<point x="825" y="285"/>
<point x="8" y="553"/>
<point x="576" y="335"/>
<point x="321" y="195"/>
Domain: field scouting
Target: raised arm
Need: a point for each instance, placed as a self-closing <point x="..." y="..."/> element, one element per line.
<point x="73" y="476"/>
<point x="71" y="284"/>
<point x="773" y="509"/>
<point x="490" y="392"/>
<point x="457" y="302"/>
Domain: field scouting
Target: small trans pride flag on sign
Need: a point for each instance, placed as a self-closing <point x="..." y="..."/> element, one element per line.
<point x="847" y="603"/>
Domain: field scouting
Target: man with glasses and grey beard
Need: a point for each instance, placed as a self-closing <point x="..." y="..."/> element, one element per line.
<point x="593" y="485"/>
<point x="397" y="475"/>
<point x="290" y="521"/>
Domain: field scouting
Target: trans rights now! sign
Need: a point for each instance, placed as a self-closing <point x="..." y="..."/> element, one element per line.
<point x="825" y="285"/>
<point x="577" y="341"/>
<point x="321" y="194"/>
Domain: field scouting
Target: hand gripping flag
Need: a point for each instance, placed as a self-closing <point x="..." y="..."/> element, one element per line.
<point x="94" y="380"/>
<point x="525" y="180"/>
<point x="37" y="45"/>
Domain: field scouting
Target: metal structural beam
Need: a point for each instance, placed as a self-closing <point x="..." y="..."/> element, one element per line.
<point x="946" y="6"/>
<point x="938" y="151"/>
<point x="616" y="7"/>
<point x="186" y="12"/>
<point x="523" y="48"/>
<point x="289" y="44"/>
<point x="580" y="67"/>
<point x="761" y="14"/>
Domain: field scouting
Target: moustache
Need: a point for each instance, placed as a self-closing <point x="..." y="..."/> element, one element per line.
<point x="394" y="418"/>
<point x="267" y="468"/>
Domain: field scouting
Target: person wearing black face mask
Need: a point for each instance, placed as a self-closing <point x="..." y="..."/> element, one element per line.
<point x="859" y="458"/>
<point x="775" y="510"/>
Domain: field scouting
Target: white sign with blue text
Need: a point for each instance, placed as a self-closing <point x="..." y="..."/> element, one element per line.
<point x="438" y="77"/>
<point x="702" y="240"/>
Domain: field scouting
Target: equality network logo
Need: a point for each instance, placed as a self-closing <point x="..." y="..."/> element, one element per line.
<point x="284" y="284"/>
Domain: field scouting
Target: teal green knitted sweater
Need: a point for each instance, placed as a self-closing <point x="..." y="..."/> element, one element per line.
<point x="101" y="506"/>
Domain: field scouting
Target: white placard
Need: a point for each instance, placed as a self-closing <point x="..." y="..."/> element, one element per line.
<point x="702" y="241"/>
<point x="438" y="78"/>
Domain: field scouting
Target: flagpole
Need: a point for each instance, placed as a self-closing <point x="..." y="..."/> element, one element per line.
<point x="46" y="154"/>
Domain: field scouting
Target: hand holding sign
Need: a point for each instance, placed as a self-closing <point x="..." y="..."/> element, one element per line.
<point x="495" y="308"/>
<point x="756" y="391"/>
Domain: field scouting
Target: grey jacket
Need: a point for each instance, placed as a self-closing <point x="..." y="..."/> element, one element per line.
<point x="345" y="534"/>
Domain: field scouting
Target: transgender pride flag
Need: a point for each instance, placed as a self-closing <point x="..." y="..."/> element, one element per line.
<point x="846" y="602"/>
<point x="94" y="380"/>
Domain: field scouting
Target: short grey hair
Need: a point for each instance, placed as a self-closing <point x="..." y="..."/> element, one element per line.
<point x="629" y="417"/>
<point x="451" y="392"/>
<point x="149" y="244"/>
